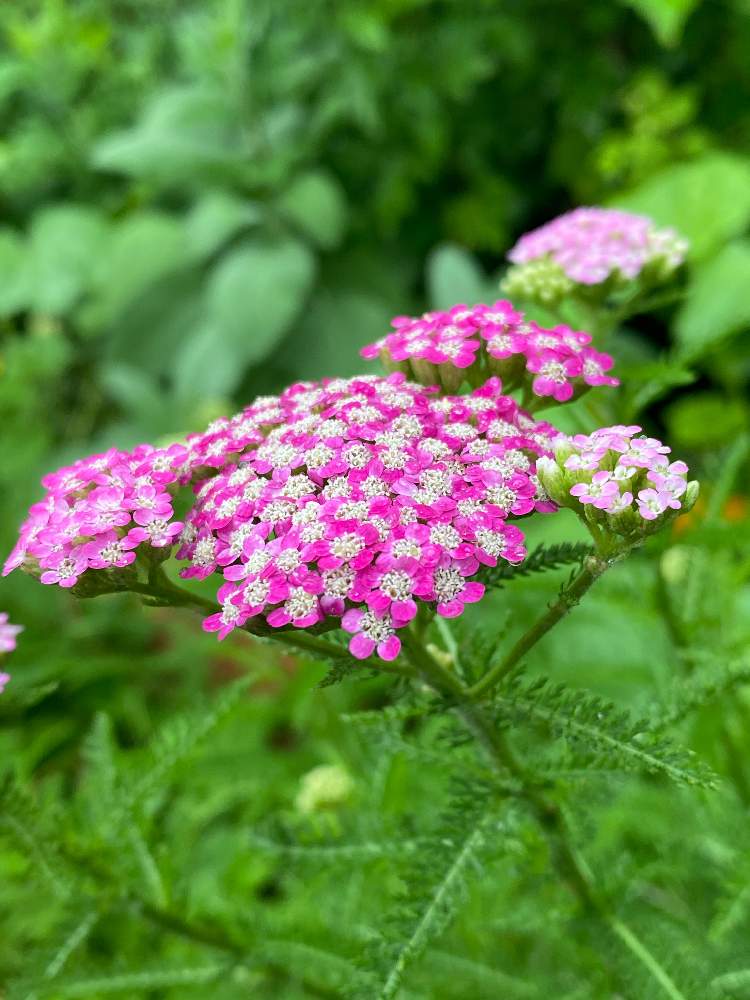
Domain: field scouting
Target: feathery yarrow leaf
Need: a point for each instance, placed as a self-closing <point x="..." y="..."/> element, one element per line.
<point x="598" y="729"/>
<point x="542" y="559"/>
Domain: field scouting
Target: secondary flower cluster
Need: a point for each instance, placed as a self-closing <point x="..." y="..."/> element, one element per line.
<point x="622" y="478"/>
<point x="98" y="511"/>
<point x="473" y="343"/>
<point x="366" y="497"/>
<point x="590" y="246"/>
<point x="8" y="635"/>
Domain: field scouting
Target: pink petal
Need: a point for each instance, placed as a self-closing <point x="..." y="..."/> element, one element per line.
<point x="389" y="649"/>
<point x="361" y="646"/>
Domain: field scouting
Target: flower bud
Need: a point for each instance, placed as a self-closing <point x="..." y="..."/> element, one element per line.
<point x="552" y="478"/>
<point x="325" y="787"/>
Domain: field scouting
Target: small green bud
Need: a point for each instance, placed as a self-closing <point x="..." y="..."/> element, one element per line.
<point x="325" y="787"/>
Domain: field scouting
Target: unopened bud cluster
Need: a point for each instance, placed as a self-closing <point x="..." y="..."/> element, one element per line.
<point x="619" y="480"/>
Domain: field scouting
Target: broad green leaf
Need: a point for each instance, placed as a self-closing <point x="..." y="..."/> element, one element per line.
<point x="314" y="202"/>
<point x="216" y="218"/>
<point x="718" y="302"/>
<point x="15" y="276"/>
<point x="139" y="251"/>
<point x="453" y="276"/>
<point x="187" y="133"/>
<point x="706" y="200"/>
<point x="666" y="18"/>
<point x="66" y="243"/>
<point x="253" y="296"/>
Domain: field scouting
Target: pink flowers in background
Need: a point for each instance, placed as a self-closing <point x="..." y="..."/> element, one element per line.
<point x="8" y="635"/>
<point x="366" y="497"/>
<point x="473" y="343"/>
<point x="619" y="471"/>
<point x="591" y="244"/>
<point x="98" y="511"/>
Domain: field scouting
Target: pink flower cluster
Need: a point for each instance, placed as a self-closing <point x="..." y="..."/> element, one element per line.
<point x="356" y="500"/>
<point x="98" y="511"/>
<point x="590" y="244"/>
<point x="475" y="342"/>
<point x="8" y="635"/>
<point x="617" y="469"/>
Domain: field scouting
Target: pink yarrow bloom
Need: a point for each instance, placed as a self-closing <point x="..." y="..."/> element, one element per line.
<point x="621" y="475"/>
<point x="365" y="498"/>
<point x="8" y="633"/>
<point x="444" y="348"/>
<point x="590" y="245"/>
<point x="99" y="511"/>
<point x="349" y="502"/>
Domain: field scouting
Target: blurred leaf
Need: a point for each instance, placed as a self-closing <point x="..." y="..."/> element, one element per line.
<point x="648" y="381"/>
<point x="253" y="296"/>
<point x="65" y="246"/>
<point x="707" y="200"/>
<point x="705" y="420"/>
<point x="15" y="286"/>
<point x="187" y="133"/>
<point x="453" y="276"/>
<point x="216" y="218"/>
<point x="665" y="17"/>
<point x="314" y="202"/>
<point x="153" y="327"/>
<point x="718" y="302"/>
<point x="331" y="332"/>
<point x="140" y="250"/>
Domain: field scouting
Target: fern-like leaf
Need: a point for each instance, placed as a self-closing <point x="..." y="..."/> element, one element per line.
<point x="179" y="739"/>
<point x="130" y="982"/>
<point x="437" y="880"/>
<point x="541" y="560"/>
<point x="706" y="685"/>
<point x="598" y="729"/>
<point x="21" y="819"/>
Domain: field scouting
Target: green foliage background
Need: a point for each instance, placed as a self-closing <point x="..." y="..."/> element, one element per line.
<point x="204" y="201"/>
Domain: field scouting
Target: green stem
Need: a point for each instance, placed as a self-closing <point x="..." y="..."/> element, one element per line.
<point x="161" y="588"/>
<point x="644" y="956"/>
<point x="590" y="572"/>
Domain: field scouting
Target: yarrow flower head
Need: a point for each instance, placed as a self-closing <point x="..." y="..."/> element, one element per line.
<point x="473" y="343"/>
<point x="359" y="499"/>
<point x="618" y="479"/>
<point x="8" y="635"/>
<point x="97" y="513"/>
<point x="590" y="247"/>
